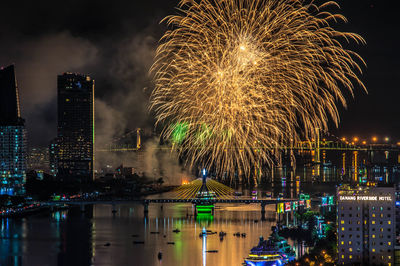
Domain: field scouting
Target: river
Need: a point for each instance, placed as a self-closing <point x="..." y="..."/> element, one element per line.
<point x="72" y="237"/>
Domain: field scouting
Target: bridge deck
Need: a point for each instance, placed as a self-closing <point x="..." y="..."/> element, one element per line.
<point x="193" y="201"/>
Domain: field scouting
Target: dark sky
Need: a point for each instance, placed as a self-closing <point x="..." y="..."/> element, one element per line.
<point x="114" y="42"/>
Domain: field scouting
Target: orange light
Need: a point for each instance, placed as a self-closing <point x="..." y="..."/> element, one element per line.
<point x="398" y="143"/>
<point x="374" y="139"/>
<point x="386" y="139"/>
<point x="355" y="139"/>
<point x="343" y="139"/>
<point x="364" y="142"/>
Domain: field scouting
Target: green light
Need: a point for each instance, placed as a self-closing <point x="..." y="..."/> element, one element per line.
<point x="201" y="209"/>
<point x="204" y="134"/>
<point x="179" y="132"/>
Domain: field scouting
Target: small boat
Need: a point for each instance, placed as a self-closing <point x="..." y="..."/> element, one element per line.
<point x="154" y="232"/>
<point x="236" y="234"/>
<point x="159" y="255"/>
<point x="138" y="242"/>
<point x="107" y="244"/>
<point x="171" y="243"/>
<point x="243" y="234"/>
<point x="256" y="221"/>
<point x="212" y="251"/>
<point x="134" y="235"/>
<point x="176" y="230"/>
<point x="222" y="233"/>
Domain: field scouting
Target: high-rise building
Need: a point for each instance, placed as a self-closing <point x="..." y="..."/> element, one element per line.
<point x="75" y="131"/>
<point x="38" y="159"/>
<point x="12" y="136"/>
<point x="366" y="225"/>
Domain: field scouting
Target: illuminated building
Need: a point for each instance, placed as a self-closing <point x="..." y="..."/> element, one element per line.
<point x="75" y="131"/>
<point x="12" y="136"/>
<point x="53" y="154"/>
<point x="38" y="159"/>
<point x="366" y="225"/>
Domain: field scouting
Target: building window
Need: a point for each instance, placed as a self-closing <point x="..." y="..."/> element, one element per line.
<point x="389" y="243"/>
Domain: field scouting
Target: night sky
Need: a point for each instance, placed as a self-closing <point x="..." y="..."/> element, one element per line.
<point x="114" y="42"/>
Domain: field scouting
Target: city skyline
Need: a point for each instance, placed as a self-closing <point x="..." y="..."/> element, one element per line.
<point x="117" y="49"/>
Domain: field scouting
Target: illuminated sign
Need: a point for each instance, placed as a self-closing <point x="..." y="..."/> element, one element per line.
<point x="324" y="201"/>
<point x="280" y="208"/>
<point x="330" y="200"/>
<point x="308" y="204"/>
<point x="301" y="203"/>
<point x="397" y="203"/>
<point x="287" y="207"/>
<point x="294" y="205"/>
<point x="365" y="198"/>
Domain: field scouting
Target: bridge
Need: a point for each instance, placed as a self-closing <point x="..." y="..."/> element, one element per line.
<point x="202" y="193"/>
<point x="193" y="201"/>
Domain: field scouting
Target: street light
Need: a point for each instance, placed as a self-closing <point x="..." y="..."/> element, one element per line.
<point x="386" y="139"/>
<point x="374" y="139"/>
<point x="355" y="139"/>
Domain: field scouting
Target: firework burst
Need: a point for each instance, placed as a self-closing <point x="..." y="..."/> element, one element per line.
<point x="238" y="79"/>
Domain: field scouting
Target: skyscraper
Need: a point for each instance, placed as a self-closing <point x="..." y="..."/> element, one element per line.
<point x="12" y="136"/>
<point x="366" y="225"/>
<point x="75" y="131"/>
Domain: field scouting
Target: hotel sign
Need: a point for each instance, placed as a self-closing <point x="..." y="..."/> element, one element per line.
<point x="365" y="198"/>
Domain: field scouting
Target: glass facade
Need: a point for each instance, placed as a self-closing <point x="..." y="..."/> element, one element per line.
<point x="12" y="159"/>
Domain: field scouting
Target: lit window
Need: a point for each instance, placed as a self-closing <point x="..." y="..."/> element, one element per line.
<point x="342" y="243"/>
<point x="342" y="222"/>
<point x="389" y="243"/>
<point x="373" y="236"/>
<point x="373" y="215"/>
<point x="389" y="222"/>
<point x="373" y="250"/>
<point x="342" y="228"/>
<point x="350" y="257"/>
<point x="350" y="249"/>
<point x="373" y="222"/>
<point x="342" y="256"/>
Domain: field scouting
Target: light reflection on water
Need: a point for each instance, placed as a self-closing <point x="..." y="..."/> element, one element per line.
<point x="75" y="238"/>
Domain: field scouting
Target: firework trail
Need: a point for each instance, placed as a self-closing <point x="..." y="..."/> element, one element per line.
<point x="238" y="79"/>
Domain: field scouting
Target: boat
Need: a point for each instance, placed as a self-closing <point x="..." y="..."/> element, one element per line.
<point x="171" y="243"/>
<point x="138" y="242"/>
<point x="154" y="232"/>
<point x="159" y="255"/>
<point x="212" y="251"/>
<point x="269" y="253"/>
<point x="176" y="230"/>
<point x="282" y="245"/>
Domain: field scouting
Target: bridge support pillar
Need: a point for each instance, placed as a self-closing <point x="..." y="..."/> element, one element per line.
<point x="83" y="207"/>
<point x="114" y="209"/>
<point x="146" y="208"/>
<point x="263" y="212"/>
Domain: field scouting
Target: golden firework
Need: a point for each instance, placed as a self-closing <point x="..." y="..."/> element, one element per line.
<point x="238" y="79"/>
